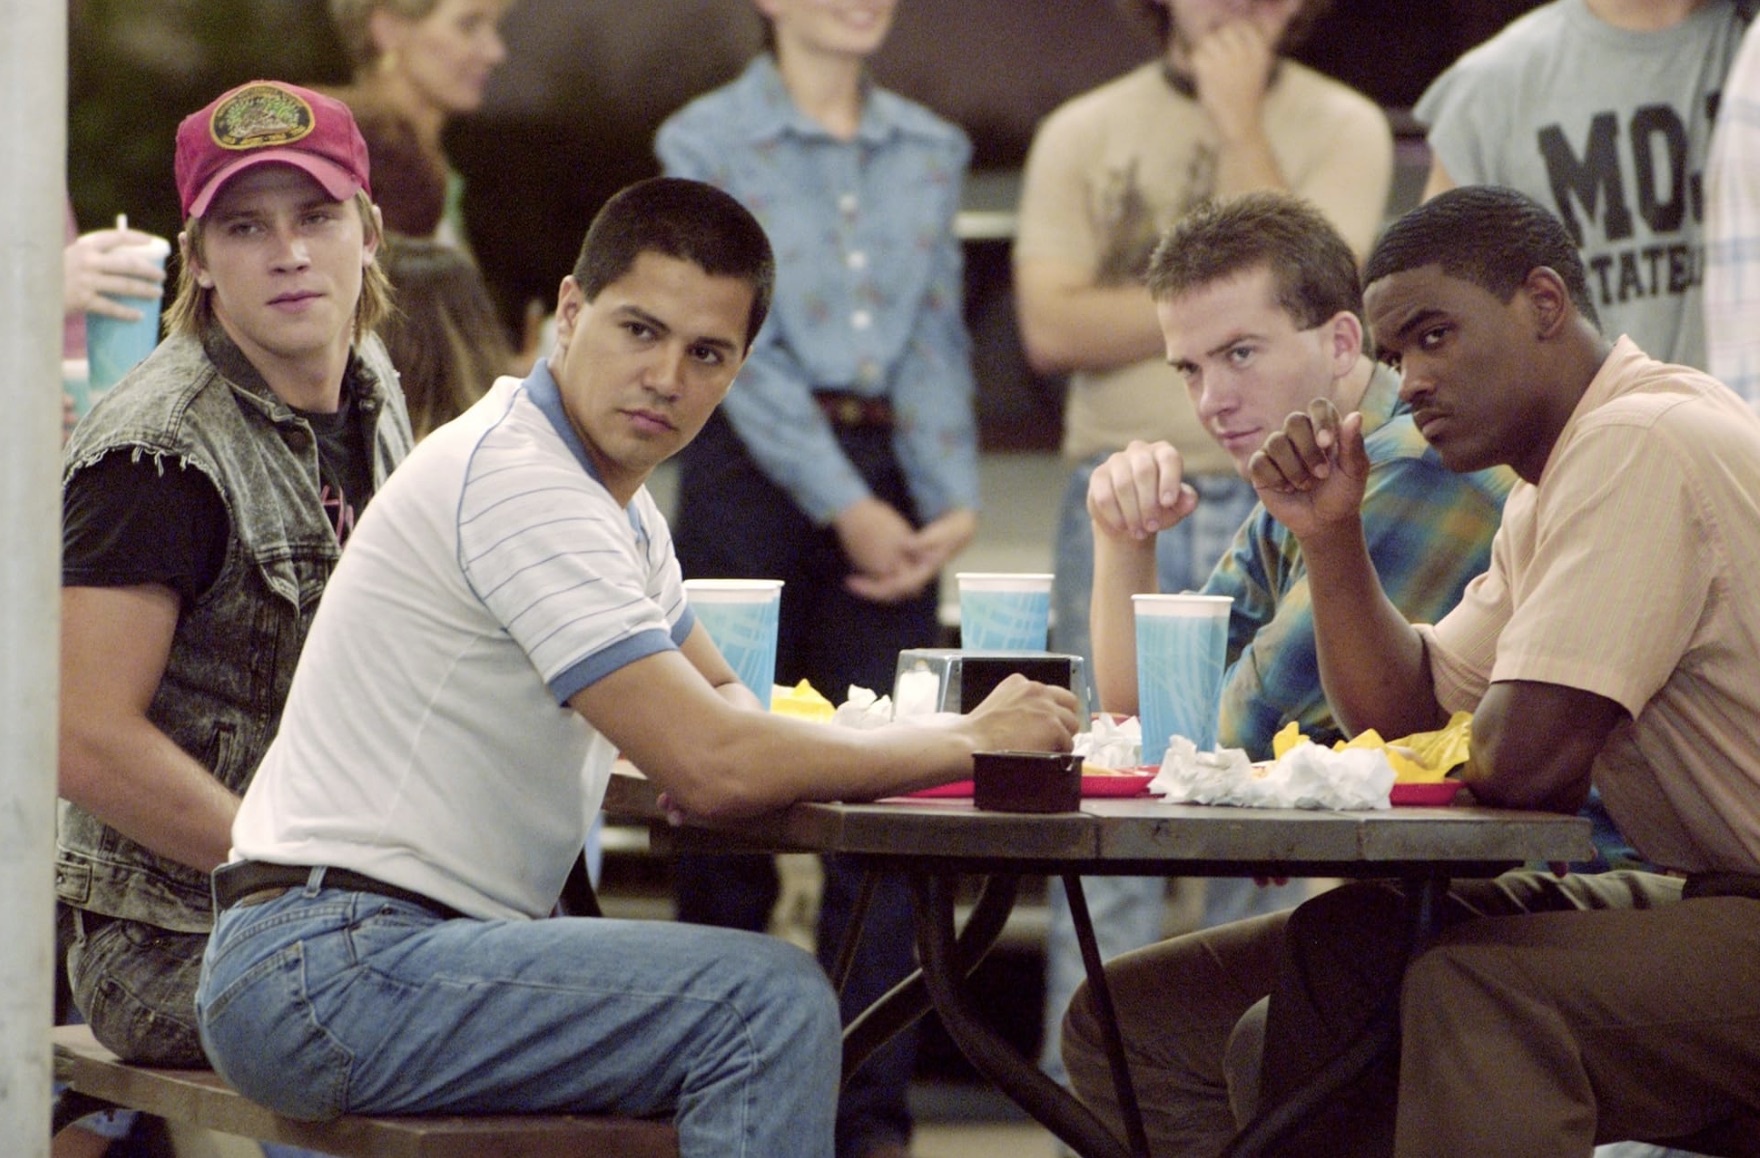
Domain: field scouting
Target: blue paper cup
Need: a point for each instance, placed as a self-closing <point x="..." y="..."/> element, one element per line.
<point x="1182" y="644"/>
<point x="1001" y="611"/>
<point x="740" y="616"/>
<point x="113" y="347"/>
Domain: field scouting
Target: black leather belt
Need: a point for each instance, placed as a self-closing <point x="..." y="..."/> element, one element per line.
<point x="240" y="879"/>
<point x="1721" y="885"/>
<point x="854" y="411"/>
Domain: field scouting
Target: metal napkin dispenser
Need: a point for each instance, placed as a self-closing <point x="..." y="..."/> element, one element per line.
<point x="946" y="679"/>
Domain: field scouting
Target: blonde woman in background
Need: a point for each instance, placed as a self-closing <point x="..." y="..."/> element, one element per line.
<point x="417" y="64"/>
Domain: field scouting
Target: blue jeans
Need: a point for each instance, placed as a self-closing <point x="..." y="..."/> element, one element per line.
<point x="738" y="892"/>
<point x="322" y="1002"/>
<point x="1127" y="911"/>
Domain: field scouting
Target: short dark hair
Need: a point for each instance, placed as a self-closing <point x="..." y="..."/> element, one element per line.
<point x="1488" y="235"/>
<point x="682" y="219"/>
<point x="1159" y="16"/>
<point x="1312" y="267"/>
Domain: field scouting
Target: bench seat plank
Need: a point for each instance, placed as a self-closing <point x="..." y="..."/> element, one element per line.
<point x="202" y="1098"/>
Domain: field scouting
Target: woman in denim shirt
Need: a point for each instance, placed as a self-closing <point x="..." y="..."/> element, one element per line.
<point x="844" y="460"/>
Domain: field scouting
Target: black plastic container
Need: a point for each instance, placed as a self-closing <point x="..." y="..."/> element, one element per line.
<point x="1027" y="781"/>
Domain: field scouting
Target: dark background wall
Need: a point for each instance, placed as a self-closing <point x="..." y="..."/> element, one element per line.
<point x="569" y="118"/>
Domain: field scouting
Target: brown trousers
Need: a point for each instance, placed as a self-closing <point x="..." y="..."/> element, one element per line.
<point x="1178" y="1002"/>
<point x="1547" y="1016"/>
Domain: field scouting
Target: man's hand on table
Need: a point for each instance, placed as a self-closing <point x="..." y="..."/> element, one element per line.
<point x="1022" y="715"/>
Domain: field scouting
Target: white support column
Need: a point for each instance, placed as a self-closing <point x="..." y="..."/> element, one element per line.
<point x="33" y="154"/>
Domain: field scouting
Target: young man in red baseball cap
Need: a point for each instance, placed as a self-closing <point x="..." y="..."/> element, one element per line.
<point x="205" y="501"/>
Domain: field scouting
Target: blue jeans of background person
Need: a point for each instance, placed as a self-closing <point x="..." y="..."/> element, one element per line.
<point x="70" y="929"/>
<point x="112" y="1124"/>
<point x="1128" y="911"/>
<point x="733" y="522"/>
<point x="323" y="1001"/>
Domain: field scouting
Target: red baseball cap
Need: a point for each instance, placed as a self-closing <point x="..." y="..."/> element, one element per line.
<point x="269" y="121"/>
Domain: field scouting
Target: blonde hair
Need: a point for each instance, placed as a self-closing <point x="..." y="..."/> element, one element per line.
<point x="192" y="308"/>
<point x="354" y="24"/>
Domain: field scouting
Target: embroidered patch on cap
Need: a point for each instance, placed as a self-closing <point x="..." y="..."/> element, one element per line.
<point x="260" y="115"/>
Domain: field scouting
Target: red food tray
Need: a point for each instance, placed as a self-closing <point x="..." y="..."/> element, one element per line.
<point x="1125" y="784"/>
<point x="1441" y="792"/>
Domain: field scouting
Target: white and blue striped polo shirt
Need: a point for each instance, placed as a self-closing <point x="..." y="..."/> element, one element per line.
<point x="427" y="740"/>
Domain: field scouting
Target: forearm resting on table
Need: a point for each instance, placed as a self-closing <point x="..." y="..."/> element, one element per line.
<point x="733" y="762"/>
<point x="1534" y="744"/>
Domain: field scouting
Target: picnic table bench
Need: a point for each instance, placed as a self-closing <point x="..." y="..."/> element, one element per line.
<point x="98" y="1080"/>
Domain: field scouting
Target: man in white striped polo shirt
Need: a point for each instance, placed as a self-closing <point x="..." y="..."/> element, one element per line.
<point x="508" y="618"/>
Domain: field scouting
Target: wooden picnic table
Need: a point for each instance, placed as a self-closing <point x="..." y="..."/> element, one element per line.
<point x="935" y="843"/>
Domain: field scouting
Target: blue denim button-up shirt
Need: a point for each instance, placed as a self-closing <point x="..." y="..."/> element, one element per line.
<point x="868" y="284"/>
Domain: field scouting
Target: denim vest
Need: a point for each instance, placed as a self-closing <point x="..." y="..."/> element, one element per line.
<point x="233" y="652"/>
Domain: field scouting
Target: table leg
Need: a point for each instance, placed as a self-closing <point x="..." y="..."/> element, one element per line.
<point x="852" y="936"/>
<point x="1049" y="1103"/>
<point x="1424" y="896"/>
<point x="1102" y="991"/>
<point x="909" y="1000"/>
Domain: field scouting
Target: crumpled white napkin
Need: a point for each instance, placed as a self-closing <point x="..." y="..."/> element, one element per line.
<point x="1111" y="742"/>
<point x="863" y="709"/>
<point x="1308" y="776"/>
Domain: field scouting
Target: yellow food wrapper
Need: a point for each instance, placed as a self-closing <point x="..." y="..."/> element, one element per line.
<point x="1420" y="758"/>
<point x="802" y="701"/>
<point x="1287" y="737"/>
<point x="1442" y="751"/>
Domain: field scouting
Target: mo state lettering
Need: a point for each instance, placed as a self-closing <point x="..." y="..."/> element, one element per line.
<point x="1606" y="190"/>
